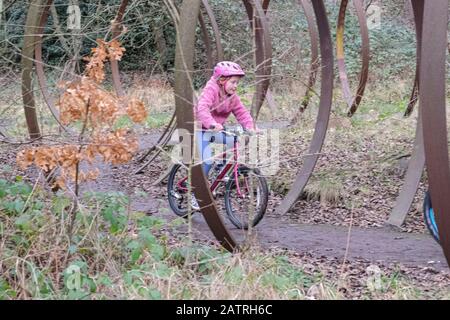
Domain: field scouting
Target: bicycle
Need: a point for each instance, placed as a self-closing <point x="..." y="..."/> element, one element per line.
<point x="246" y="190"/>
<point x="430" y="220"/>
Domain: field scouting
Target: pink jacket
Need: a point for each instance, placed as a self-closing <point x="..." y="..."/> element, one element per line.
<point x="212" y="109"/>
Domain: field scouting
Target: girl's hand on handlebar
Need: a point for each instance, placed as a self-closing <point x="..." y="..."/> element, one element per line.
<point x="253" y="132"/>
<point x="217" y="127"/>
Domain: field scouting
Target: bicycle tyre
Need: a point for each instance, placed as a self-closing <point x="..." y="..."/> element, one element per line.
<point x="429" y="217"/>
<point x="174" y="205"/>
<point x="263" y="199"/>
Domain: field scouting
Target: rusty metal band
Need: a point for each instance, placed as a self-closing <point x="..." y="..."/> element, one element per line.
<point x="39" y="65"/>
<point x="207" y="43"/>
<point x="353" y="102"/>
<point x="184" y="100"/>
<point x="412" y="179"/>
<point x="432" y="83"/>
<point x="215" y="28"/>
<point x="263" y="54"/>
<point x="418" y="11"/>
<point x="417" y="161"/>
<point x="157" y="148"/>
<point x="414" y="96"/>
<point x="323" y="116"/>
<point x="161" y="138"/>
<point x="116" y="31"/>
<point x="315" y="63"/>
<point x="170" y="128"/>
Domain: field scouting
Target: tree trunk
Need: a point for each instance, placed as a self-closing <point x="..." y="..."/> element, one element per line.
<point x="33" y="16"/>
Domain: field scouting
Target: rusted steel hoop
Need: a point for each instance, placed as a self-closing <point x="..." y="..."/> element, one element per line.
<point x="324" y="110"/>
<point x="315" y="64"/>
<point x="39" y="65"/>
<point x="157" y="148"/>
<point x="263" y="52"/>
<point x="184" y="100"/>
<point x="415" y="91"/>
<point x="207" y="42"/>
<point x="353" y="102"/>
<point x="219" y="51"/>
<point x="215" y="28"/>
<point x="432" y="80"/>
<point x="414" y="96"/>
<point x="412" y="180"/>
<point x="170" y="128"/>
<point x="161" y="138"/>
<point x="417" y="161"/>
<point x="117" y="31"/>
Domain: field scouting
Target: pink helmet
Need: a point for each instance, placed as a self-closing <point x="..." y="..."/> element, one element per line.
<point x="227" y="69"/>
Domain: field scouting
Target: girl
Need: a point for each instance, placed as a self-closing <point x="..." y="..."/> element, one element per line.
<point x="217" y="101"/>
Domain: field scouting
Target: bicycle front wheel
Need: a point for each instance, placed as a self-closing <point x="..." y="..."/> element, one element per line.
<point x="246" y="202"/>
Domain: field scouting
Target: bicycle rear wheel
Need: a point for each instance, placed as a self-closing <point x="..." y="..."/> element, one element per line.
<point x="429" y="217"/>
<point x="248" y="207"/>
<point x="177" y="190"/>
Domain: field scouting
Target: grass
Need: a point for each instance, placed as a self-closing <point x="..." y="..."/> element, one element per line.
<point x="325" y="190"/>
<point x="116" y="253"/>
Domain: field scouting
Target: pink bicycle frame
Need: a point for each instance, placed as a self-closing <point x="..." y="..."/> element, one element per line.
<point x="220" y="178"/>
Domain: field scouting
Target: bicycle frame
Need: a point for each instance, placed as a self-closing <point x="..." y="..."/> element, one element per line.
<point x="231" y="165"/>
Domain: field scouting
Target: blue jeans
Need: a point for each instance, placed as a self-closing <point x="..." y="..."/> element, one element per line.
<point x="204" y="138"/>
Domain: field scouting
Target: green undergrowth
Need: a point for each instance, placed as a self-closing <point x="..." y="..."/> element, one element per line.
<point x="118" y="253"/>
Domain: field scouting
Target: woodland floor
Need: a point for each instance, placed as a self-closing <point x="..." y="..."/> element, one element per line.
<point x="336" y="233"/>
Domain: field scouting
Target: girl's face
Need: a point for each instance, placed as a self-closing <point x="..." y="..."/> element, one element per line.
<point x="230" y="84"/>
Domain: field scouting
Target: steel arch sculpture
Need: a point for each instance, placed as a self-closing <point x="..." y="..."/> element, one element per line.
<point x="431" y="134"/>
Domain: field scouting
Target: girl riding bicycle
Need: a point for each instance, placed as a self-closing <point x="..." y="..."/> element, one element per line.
<point x="217" y="101"/>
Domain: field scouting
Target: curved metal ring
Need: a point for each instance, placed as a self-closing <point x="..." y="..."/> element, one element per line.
<point x="39" y="65"/>
<point x="353" y="102"/>
<point x="417" y="161"/>
<point x="207" y="42"/>
<point x="171" y="126"/>
<point x="418" y="12"/>
<point x="263" y="52"/>
<point x="184" y="100"/>
<point x="412" y="180"/>
<point x="324" y="110"/>
<point x="216" y="30"/>
<point x="315" y="62"/>
<point x="432" y="82"/>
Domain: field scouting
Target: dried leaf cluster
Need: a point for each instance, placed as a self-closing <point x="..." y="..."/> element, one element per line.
<point x="85" y="102"/>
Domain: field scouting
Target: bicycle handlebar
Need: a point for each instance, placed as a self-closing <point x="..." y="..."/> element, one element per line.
<point x="235" y="132"/>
